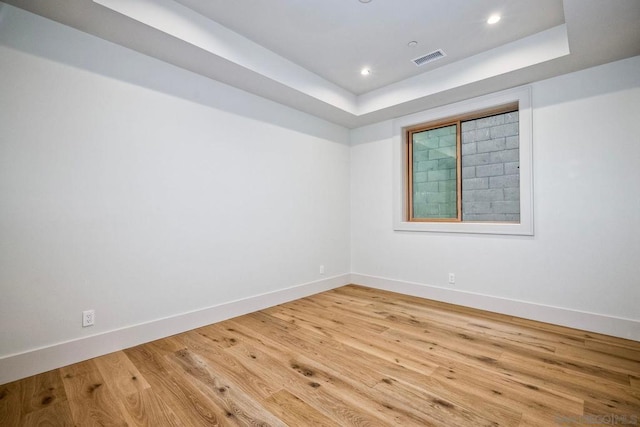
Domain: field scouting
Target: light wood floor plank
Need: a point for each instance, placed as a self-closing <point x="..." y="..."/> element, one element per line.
<point x="499" y="333"/>
<point x="614" y="362"/>
<point x="443" y="407"/>
<point x="239" y="407"/>
<point x="146" y="408"/>
<point x="352" y="356"/>
<point x="11" y="404"/>
<point x="613" y="349"/>
<point x="90" y="401"/>
<point x="228" y="368"/>
<point x="326" y="398"/>
<point x="42" y="391"/>
<point x="186" y="401"/>
<point x="55" y="415"/>
<point x="375" y="345"/>
<point x="122" y="377"/>
<point x="311" y="345"/>
<point x="296" y="412"/>
<point x="600" y="392"/>
<point x="332" y="391"/>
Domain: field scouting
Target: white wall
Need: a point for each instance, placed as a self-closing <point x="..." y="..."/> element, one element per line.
<point x="585" y="254"/>
<point x="144" y="191"/>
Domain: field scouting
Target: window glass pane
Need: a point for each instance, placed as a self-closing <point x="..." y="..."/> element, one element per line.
<point x="491" y="169"/>
<point x="434" y="188"/>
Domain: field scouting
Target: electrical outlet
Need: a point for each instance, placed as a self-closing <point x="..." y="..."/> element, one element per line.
<point x="322" y="269"/>
<point x="452" y="278"/>
<point x="88" y="318"/>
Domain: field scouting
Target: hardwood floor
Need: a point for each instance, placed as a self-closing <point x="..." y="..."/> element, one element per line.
<point x="350" y="356"/>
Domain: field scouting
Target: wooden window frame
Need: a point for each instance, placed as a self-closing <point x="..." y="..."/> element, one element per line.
<point x="457" y="121"/>
<point x="526" y="227"/>
<point x="409" y="138"/>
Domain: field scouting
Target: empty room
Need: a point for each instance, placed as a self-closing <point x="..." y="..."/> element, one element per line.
<point x="320" y="212"/>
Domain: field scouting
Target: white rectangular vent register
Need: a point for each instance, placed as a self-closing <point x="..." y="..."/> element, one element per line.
<point x="429" y="57"/>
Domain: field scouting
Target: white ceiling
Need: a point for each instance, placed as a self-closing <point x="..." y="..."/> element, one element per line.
<point x="308" y="54"/>
<point x="337" y="38"/>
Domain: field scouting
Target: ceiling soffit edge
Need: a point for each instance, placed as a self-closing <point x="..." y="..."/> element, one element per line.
<point x="192" y="28"/>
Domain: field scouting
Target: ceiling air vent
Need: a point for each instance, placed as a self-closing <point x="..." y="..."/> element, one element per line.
<point x="429" y="57"/>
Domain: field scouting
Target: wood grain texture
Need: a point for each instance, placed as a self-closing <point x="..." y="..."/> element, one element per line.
<point x="294" y="411"/>
<point x="90" y="401"/>
<point x="353" y="356"/>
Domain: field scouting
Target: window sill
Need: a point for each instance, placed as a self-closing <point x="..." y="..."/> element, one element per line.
<point x="524" y="228"/>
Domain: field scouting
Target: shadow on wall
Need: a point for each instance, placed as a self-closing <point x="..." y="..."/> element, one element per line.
<point x="574" y="86"/>
<point x="35" y="35"/>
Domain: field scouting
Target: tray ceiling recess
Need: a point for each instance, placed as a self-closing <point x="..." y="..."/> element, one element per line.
<point x="309" y="55"/>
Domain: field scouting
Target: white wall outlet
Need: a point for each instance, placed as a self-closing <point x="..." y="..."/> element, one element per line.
<point x="322" y="269"/>
<point x="452" y="278"/>
<point x="88" y="318"/>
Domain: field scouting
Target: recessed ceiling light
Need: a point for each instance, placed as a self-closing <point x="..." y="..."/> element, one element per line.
<point x="365" y="71"/>
<point x="493" y="19"/>
<point x="365" y="1"/>
<point x="412" y="43"/>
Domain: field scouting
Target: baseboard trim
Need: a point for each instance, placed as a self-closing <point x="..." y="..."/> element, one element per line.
<point x="32" y="362"/>
<point x="592" y="322"/>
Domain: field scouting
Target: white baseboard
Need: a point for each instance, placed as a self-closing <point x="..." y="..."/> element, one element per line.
<point x="592" y="322"/>
<point x="17" y="366"/>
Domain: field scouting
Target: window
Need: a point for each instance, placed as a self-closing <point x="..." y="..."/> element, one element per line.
<point x="466" y="167"/>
